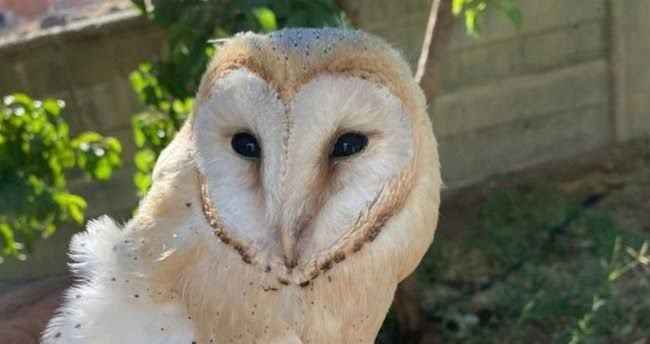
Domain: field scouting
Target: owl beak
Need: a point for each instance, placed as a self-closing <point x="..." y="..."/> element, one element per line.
<point x="290" y="235"/>
<point x="289" y="246"/>
<point x="299" y="200"/>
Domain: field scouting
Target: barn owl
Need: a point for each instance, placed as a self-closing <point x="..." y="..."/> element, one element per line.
<point x="302" y="190"/>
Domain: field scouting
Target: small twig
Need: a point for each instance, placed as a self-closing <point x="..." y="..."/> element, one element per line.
<point x="426" y="43"/>
<point x="218" y="41"/>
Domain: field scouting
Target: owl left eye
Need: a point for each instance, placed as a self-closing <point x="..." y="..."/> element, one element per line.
<point x="349" y="144"/>
<point x="246" y="145"/>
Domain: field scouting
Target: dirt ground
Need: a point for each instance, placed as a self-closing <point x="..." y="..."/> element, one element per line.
<point x="481" y="281"/>
<point x="25" y="309"/>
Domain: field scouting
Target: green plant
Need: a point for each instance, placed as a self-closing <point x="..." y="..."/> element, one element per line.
<point x="536" y="265"/>
<point x="617" y="267"/>
<point x="473" y="10"/>
<point x="36" y="152"/>
<point x="167" y="86"/>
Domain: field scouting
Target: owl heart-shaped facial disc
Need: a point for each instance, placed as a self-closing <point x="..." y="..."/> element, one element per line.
<point x="305" y="148"/>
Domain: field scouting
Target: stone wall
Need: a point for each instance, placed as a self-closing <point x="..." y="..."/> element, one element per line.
<point x="571" y="79"/>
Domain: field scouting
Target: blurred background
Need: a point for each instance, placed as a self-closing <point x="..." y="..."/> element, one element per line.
<point x="541" y="109"/>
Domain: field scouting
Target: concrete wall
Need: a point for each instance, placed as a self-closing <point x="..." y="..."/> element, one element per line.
<point x="571" y="79"/>
<point x="87" y="65"/>
<point x="629" y="56"/>
<point x="514" y="97"/>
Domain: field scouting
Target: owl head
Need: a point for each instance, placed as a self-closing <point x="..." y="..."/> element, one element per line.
<point x="307" y="144"/>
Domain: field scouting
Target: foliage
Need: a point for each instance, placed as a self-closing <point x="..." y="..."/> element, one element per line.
<point x="167" y="86"/>
<point x="596" y="321"/>
<point x="473" y="10"/>
<point x="537" y="266"/>
<point x="36" y="151"/>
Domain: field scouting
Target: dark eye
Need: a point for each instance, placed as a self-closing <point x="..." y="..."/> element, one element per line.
<point x="246" y="145"/>
<point x="349" y="144"/>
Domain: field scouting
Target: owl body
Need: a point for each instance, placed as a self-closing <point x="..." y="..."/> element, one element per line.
<point x="302" y="190"/>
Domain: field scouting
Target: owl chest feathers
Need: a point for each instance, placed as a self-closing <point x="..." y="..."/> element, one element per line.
<point x="143" y="290"/>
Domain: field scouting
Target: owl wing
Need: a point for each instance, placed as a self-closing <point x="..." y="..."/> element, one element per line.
<point x="109" y="303"/>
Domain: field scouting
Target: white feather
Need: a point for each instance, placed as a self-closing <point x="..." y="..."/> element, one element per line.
<point x="111" y="303"/>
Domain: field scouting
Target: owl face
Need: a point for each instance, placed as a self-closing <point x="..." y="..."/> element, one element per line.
<point x="303" y="154"/>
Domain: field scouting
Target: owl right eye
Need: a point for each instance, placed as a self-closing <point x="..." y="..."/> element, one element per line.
<point x="246" y="145"/>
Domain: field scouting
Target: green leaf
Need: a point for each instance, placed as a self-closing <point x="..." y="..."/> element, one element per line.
<point x="473" y="10"/>
<point x="88" y="137"/>
<point x="471" y="21"/>
<point x="52" y="107"/>
<point x="48" y="230"/>
<point x="141" y="5"/>
<point x="8" y="241"/>
<point x="512" y="11"/>
<point x="145" y="160"/>
<point x="68" y="199"/>
<point x="76" y="213"/>
<point x="20" y="99"/>
<point x="457" y="6"/>
<point x="138" y="133"/>
<point x="103" y="170"/>
<point x="113" y="144"/>
<point x="266" y="19"/>
<point x="143" y="182"/>
<point x="74" y="204"/>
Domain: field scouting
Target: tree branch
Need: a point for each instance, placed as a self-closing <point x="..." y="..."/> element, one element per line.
<point x="428" y="38"/>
